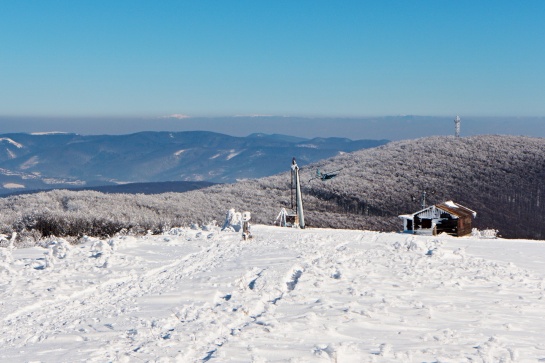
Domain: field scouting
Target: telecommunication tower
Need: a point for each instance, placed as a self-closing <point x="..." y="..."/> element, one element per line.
<point x="457" y="126"/>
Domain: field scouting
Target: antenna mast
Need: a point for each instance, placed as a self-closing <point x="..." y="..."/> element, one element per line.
<point x="457" y="126"/>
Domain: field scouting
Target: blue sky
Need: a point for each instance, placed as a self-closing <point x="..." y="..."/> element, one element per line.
<point x="290" y="58"/>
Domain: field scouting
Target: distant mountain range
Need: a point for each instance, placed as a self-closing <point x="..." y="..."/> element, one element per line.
<point x="61" y="160"/>
<point x="129" y="188"/>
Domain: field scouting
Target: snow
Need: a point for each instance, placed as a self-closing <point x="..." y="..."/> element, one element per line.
<point x="233" y="153"/>
<point x="287" y="295"/>
<point x="64" y="181"/>
<point x="49" y="133"/>
<point x="15" y="143"/>
<point x="12" y="185"/>
<point x="11" y="154"/>
<point x="229" y="154"/>
<point x="451" y="204"/>
<point x="32" y="161"/>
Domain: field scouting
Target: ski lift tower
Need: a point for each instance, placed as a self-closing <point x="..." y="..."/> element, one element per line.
<point x="298" y="198"/>
<point x="457" y="126"/>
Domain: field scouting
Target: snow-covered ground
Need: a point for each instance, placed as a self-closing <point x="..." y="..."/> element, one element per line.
<point x="287" y="295"/>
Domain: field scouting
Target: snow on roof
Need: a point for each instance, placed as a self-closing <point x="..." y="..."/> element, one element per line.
<point x="451" y="204"/>
<point x="456" y="209"/>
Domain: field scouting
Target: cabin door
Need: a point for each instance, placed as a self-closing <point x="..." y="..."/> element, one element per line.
<point x="426" y="223"/>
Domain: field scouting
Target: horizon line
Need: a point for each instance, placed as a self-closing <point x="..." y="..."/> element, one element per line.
<point x="182" y="117"/>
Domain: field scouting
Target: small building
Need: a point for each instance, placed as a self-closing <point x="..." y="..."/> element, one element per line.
<point x="447" y="217"/>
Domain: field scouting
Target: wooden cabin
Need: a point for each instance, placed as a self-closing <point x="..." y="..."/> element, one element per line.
<point x="447" y="217"/>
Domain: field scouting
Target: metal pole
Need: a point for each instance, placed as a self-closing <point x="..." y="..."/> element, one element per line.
<point x="291" y="189"/>
<point x="298" y="196"/>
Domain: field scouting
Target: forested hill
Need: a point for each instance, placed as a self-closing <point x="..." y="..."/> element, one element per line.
<point x="502" y="178"/>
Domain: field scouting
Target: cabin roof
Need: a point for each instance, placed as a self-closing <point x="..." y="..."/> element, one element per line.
<point x="456" y="209"/>
<point x="450" y="207"/>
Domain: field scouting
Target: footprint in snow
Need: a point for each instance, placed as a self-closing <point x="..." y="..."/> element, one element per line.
<point x="292" y="282"/>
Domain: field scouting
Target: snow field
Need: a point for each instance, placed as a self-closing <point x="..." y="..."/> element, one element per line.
<point x="287" y="295"/>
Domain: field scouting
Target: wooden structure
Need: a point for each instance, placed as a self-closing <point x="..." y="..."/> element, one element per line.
<point x="447" y="217"/>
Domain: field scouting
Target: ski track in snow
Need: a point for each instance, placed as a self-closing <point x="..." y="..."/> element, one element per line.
<point x="287" y="295"/>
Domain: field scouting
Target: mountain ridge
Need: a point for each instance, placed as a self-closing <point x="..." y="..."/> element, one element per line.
<point x="48" y="161"/>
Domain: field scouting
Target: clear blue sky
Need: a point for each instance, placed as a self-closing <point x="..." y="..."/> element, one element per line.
<point x="92" y="58"/>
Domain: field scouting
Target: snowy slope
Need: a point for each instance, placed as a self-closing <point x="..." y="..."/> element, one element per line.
<point x="288" y="295"/>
